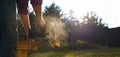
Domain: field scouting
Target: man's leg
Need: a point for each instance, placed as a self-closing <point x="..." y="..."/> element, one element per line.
<point x="37" y="5"/>
<point x="22" y="10"/>
<point x="26" y="24"/>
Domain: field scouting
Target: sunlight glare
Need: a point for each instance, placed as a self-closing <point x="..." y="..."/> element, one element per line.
<point x="107" y="9"/>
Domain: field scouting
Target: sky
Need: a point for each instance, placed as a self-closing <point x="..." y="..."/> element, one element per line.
<point x="109" y="10"/>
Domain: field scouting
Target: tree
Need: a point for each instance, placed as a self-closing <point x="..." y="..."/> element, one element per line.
<point x="92" y="19"/>
<point x="92" y="29"/>
<point x="52" y="10"/>
<point x="8" y="34"/>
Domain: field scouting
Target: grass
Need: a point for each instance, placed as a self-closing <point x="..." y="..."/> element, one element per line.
<point x="107" y="52"/>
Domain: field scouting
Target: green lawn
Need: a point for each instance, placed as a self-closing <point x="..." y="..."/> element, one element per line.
<point x="108" y="52"/>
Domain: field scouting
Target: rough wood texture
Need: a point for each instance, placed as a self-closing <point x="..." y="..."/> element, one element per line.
<point x="22" y="49"/>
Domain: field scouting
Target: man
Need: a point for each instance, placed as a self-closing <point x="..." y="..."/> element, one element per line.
<point x="22" y="6"/>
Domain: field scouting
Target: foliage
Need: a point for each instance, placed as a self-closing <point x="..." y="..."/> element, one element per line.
<point x="52" y="10"/>
<point x="91" y="18"/>
<point x="92" y="30"/>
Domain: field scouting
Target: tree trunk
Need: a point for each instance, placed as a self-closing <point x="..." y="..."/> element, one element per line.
<point x="8" y="34"/>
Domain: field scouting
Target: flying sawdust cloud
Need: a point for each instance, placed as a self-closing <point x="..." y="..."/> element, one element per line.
<point x="55" y="29"/>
